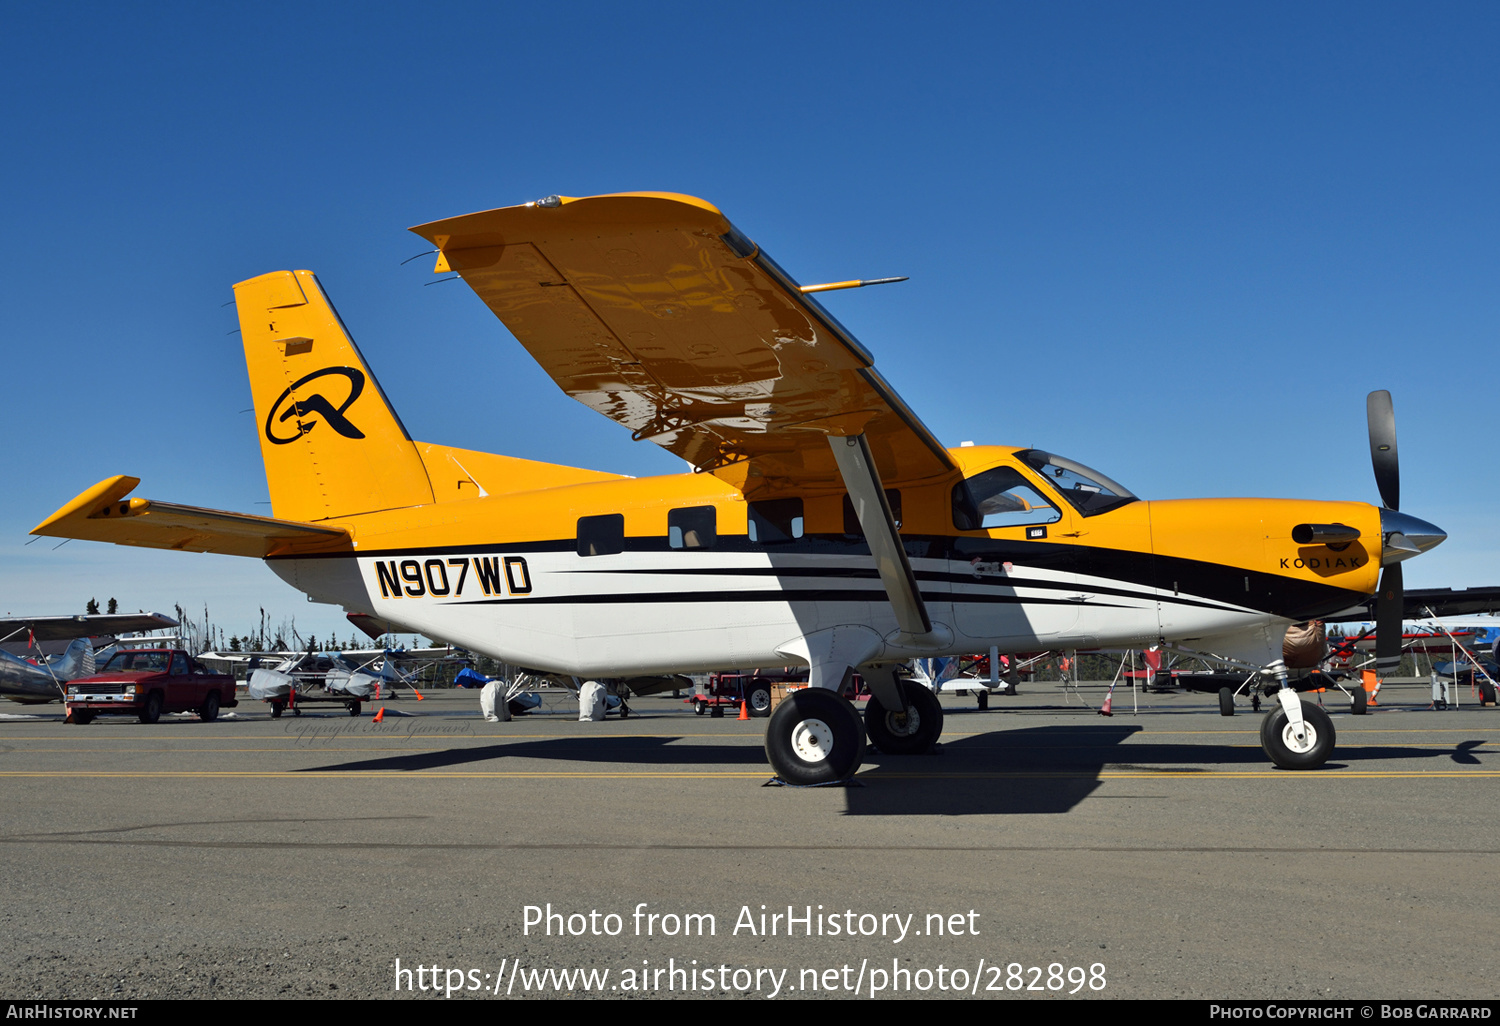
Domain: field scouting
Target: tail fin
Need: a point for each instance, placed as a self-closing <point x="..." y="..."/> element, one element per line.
<point x="77" y="661"/>
<point x="332" y="445"/>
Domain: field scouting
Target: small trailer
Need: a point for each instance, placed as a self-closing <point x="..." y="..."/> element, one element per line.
<point x="755" y="689"/>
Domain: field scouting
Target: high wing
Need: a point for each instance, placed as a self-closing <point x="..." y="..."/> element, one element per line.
<point x="94" y="625"/>
<point x="652" y="309"/>
<point x="102" y="513"/>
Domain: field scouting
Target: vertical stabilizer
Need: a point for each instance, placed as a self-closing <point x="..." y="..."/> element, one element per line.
<point x="332" y="445"/>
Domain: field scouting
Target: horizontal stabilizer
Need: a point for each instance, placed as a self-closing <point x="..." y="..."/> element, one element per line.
<point x="102" y="513"/>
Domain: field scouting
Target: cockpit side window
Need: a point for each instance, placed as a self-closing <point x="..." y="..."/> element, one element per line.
<point x="1000" y="497"/>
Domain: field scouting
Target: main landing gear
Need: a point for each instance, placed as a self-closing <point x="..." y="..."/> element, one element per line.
<point x="815" y="737"/>
<point x="911" y="732"/>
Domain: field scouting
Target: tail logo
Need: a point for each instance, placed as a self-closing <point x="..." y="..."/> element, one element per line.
<point x="316" y="405"/>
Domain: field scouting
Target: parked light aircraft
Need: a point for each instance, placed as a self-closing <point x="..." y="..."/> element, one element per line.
<point x="825" y="524"/>
<point x="37" y="681"/>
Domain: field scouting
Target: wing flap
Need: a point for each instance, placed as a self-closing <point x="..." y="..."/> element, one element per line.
<point x="653" y="310"/>
<point x="103" y="513"/>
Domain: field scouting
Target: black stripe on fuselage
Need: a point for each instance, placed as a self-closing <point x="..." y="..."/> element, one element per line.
<point x="1234" y="587"/>
<point x="788" y="595"/>
<point x="931" y="576"/>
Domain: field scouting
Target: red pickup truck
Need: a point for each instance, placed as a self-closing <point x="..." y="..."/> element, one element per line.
<point x="148" y="682"/>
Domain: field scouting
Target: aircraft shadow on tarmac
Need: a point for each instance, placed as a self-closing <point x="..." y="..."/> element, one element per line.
<point x="1032" y="770"/>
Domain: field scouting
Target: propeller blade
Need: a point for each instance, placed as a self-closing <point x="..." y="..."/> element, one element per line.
<point x="1390" y="608"/>
<point x="1382" y="420"/>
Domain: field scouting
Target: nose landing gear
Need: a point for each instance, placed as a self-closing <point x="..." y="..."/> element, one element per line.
<point x="1297" y="735"/>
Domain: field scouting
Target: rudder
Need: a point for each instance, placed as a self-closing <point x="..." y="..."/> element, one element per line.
<point x="331" y="442"/>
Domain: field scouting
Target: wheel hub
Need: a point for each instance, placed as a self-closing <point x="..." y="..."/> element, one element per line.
<point x="812" y="740"/>
<point x="903" y="724"/>
<point x="1302" y="747"/>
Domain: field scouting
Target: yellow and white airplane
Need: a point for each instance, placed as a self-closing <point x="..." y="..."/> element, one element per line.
<point x="825" y="524"/>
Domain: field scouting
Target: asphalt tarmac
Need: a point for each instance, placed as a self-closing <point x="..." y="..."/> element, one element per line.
<point x="1044" y="851"/>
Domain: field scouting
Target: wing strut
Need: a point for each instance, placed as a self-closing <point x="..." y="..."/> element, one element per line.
<point x="852" y="453"/>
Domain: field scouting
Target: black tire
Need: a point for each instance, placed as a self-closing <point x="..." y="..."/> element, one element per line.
<point x="1360" y="706"/>
<point x="897" y="734"/>
<point x="815" y="737"/>
<point x="1275" y="738"/>
<point x="1486" y="693"/>
<point x="984" y="699"/>
<point x="699" y="708"/>
<point x="83" y="716"/>
<point x="210" y="710"/>
<point x="716" y="712"/>
<point x="624" y="711"/>
<point x="151" y="711"/>
<point x="354" y="708"/>
<point x="1226" y="701"/>
<point x="276" y="708"/>
<point x="758" y="698"/>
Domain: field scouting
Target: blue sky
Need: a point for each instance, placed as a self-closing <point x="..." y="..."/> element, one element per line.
<point x="1179" y="242"/>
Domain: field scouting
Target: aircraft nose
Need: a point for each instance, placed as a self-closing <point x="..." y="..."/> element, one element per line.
<point x="1406" y="536"/>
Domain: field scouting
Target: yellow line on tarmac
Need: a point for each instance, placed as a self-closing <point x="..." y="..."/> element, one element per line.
<point x="365" y="775"/>
<point x="433" y="738"/>
<point x="220" y="751"/>
<point x="1267" y="774"/>
<point x="395" y="735"/>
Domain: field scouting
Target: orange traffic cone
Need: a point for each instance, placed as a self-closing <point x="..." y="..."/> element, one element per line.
<point x="418" y="694"/>
<point x="1104" y="709"/>
<point x="744" y="710"/>
<point x="379" y="716"/>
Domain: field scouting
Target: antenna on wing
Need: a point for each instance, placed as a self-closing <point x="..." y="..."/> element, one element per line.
<point x="855" y="284"/>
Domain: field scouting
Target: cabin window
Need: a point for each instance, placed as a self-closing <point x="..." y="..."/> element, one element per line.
<point x="1000" y="497"/>
<point x="851" y="519"/>
<point x="601" y="536"/>
<point x="694" y="527"/>
<point x="775" y="521"/>
<point x="179" y="665"/>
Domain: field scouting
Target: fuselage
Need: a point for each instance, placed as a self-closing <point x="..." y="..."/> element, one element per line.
<point x="613" y="576"/>
<point x="32" y="683"/>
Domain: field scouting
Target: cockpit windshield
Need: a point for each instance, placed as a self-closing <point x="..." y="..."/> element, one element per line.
<point x="1088" y="491"/>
